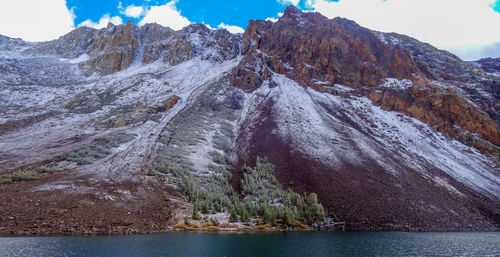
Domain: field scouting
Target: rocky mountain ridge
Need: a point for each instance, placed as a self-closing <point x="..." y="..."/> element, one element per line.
<point x="389" y="132"/>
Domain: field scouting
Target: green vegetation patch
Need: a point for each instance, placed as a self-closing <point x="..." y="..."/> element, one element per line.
<point x="89" y="102"/>
<point x="100" y="148"/>
<point x="268" y="199"/>
<point x="26" y="175"/>
<point x="263" y="198"/>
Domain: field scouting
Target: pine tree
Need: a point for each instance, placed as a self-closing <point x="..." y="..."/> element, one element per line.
<point x="204" y="207"/>
<point x="244" y="215"/>
<point x="269" y="216"/>
<point x="233" y="217"/>
<point x="288" y="217"/>
<point x="217" y="206"/>
<point x="312" y="199"/>
<point x="196" y="215"/>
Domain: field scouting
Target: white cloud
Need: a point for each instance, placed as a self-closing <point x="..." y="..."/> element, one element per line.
<point x="207" y="25"/>
<point x="274" y="19"/>
<point x="103" y="22"/>
<point x="288" y="2"/>
<point x="477" y="52"/>
<point x="231" y="28"/>
<point x="133" y="11"/>
<point x="446" y="24"/>
<point x="35" y="20"/>
<point x="166" y="15"/>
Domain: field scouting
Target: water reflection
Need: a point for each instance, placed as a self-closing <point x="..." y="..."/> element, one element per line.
<point x="260" y="244"/>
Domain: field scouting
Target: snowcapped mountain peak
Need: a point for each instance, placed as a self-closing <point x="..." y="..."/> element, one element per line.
<point x="387" y="131"/>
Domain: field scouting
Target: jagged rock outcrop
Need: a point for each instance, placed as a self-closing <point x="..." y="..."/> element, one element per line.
<point x="8" y="44"/>
<point x="319" y="52"/>
<point x="113" y="49"/>
<point x="71" y="45"/>
<point x="153" y="39"/>
<point x="315" y="50"/>
<point x="489" y="64"/>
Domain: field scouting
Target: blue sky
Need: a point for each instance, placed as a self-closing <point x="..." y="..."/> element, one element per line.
<point x="212" y="13"/>
<point x="468" y="28"/>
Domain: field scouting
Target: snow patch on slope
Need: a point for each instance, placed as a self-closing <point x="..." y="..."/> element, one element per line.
<point x="337" y="130"/>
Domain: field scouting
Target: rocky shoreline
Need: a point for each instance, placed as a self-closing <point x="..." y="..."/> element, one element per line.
<point x="219" y="230"/>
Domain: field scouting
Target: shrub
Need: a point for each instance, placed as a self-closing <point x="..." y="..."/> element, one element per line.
<point x="6" y="180"/>
<point x="155" y="117"/>
<point x="298" y="224"/>
<point x="266" y="226"/>
<point x="151" y="172"/>
<point x="219" y="158"/>
<point x="221" y="143"/>
<point x="98" y="149"/>
<point x="186" y="221"/>
<point x="214" y="221"/>
<point x="25" y="176"/>
<point x="229" y="225"/>
<point x="44" y="169"/>
<point x="180" y="226"/>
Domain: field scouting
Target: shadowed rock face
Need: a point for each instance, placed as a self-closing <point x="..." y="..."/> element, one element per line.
<point x="71" y="45"/>
<point x="490" y="64"/>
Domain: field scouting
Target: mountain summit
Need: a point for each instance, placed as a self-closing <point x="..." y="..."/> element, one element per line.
<point x="133" y="129"/>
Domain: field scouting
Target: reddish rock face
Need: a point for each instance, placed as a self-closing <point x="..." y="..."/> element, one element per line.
<point x="318" y="52"/>
<point x="113" y="49"/>
<point x="447" y="112"/>
<point x="311" y="49"/>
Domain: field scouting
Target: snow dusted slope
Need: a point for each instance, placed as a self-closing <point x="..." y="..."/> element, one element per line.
<point x="142" y="87"/>
<point x="97" y="136"/>
<point x="345" y="148"/>
<point x="128" y="117"/>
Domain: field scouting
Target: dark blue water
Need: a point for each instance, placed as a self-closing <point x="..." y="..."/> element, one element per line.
<point x="261" y="244"/>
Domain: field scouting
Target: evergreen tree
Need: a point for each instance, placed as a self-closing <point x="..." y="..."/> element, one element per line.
<point x="288" y="217"/>
<point x="217" y="206"/>
<point x="204" y="207"/>
<point x="312" y="199"/>
<point x="196" y="215"/>
<point x="244" y="215"/>
<point x="233" y="217"/>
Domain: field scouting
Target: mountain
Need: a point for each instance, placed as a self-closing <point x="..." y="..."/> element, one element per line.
<point x="491" y="65"/>
<point x="126" y="129"/>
